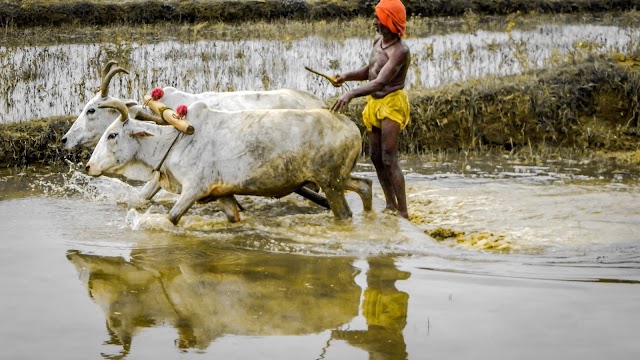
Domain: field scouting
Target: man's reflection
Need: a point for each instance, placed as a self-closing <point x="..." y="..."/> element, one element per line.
<point x="385" y="309"/>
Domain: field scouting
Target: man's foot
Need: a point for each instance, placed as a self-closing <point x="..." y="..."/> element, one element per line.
<point x="395" y="212"/>
<point x="390" y="211"/>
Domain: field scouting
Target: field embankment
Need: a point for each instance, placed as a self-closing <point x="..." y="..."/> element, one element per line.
<point x="589" y="105"/>
<point x="101" y="12"/>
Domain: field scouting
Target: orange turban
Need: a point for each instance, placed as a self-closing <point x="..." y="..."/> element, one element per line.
<point x="393" y="15"/>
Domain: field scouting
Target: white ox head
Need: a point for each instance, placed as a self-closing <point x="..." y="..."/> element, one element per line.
<point x="118" y="146"/>
<point x="94" y="120"/>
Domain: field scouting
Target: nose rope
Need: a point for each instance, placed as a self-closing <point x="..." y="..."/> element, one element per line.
<point x="157" y="168"/>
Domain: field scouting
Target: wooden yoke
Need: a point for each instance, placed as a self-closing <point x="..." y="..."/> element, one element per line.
<point x="169" y="115"/>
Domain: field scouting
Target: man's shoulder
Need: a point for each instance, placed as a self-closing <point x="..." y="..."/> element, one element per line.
<point x="402" y="50"/>
<point x="404" y="46"/>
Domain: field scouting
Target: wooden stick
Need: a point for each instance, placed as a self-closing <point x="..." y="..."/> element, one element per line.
<point x="330" y="78"/>
<point x="168" y="115"/>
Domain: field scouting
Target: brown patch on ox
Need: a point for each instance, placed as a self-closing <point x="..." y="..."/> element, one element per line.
<point x="215" y="192"/>
<point x="277" y="177"/>
<point x="168" y="182"/>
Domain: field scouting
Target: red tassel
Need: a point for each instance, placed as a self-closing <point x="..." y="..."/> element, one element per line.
<point x="157" y="94"/>
<point x="181" y="110"/>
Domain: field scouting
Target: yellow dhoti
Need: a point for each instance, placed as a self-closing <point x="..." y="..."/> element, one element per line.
<point x="394" y="106"/>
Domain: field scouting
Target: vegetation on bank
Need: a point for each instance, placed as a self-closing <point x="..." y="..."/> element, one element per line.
<point x="588" y="104"/>
<point x="101" y="12"/>
<point x="37" y="142"/>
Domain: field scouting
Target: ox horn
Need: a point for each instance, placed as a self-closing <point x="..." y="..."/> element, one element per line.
<point x="107" y="67"/>
<point x="147" y="117"/>
<point x="104" y="87"/>
<point x="118" y="105"/>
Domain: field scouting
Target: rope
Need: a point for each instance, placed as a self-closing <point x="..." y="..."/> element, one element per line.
<point x="157" y="168"/>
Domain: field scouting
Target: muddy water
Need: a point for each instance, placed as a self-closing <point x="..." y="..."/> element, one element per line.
<point x="89" y="271"/>
<point x="540" y="259"/>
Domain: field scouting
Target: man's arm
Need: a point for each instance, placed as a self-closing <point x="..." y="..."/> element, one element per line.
<point x="389" y="71"/>
<point x="361" y="74"/>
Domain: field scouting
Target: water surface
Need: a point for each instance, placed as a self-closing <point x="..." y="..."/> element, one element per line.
<point x="542" y="257"/>
<point x="90" y="271"/>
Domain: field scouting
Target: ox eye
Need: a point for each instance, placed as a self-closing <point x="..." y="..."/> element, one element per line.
<point x="91" y="111"/>
<point x="112" y="136"/>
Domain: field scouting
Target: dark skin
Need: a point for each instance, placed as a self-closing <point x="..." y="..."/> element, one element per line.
<point x="386" y="72"/>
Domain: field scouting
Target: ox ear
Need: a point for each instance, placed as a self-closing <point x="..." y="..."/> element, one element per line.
<point x="141" y="134"/>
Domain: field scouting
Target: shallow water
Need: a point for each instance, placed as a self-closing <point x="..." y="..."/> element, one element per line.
<point x="90" y="271"/>
<point x="544" y="258"/>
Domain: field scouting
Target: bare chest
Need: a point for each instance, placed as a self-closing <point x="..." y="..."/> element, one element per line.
<point x="379" y="57"/>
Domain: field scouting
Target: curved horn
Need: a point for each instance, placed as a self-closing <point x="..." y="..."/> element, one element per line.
<point x="104" y="88"/>
<point x="107" y="67"/>
<point x="118" y="105"/>
<point x="147" y="117"/>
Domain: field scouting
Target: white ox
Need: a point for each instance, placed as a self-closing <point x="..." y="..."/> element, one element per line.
<point x="254" y="152"/>
<point x="94" y="120"/>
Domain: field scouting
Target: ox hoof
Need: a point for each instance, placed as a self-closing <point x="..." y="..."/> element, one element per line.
<point x="232" y="219"/>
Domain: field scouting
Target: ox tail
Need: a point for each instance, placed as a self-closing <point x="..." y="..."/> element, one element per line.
<point x="355" y="159"/>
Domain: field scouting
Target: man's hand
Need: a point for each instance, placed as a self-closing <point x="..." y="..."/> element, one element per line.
<point x="337" y="81"/>
<point x="341" y="103"/>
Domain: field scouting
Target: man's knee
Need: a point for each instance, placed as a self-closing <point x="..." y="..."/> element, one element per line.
<point x="389" y="158"/>
<point x="375" y="153"/>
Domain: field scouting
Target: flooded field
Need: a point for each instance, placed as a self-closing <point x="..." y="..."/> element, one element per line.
<point x="91" y="271"/>
<point x="502" y="258"/>
<point x="41" y="79"/>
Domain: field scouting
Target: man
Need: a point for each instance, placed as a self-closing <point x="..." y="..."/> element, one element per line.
<point x="387" y="109"/>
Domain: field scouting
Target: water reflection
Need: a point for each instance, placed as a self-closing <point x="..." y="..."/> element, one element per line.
<point x="206" y="293"/>
<point x="385" y="309"/>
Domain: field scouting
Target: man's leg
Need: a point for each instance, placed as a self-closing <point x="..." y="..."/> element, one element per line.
<point x="389" y="136"/>
<point x="375" y="152"/>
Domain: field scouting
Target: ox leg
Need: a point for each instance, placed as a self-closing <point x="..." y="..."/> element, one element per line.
<point x="152" y="187"/>
<point x="185" y="201"/>
<point x="338" y="203"/>
<point x="362" y="187"/>
<point x="313" y="196"/>
<point x="230" y="207"/>
<point x="238" y="204"/>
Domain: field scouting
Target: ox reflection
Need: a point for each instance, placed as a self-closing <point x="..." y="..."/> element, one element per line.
<point x="207" y="293"/>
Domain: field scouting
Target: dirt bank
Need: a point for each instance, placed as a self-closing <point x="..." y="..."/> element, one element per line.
<point x="100" y="12"/>
<point x="590" y="104"/>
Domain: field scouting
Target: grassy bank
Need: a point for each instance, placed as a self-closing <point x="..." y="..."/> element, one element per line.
<point x="593" y="104"/>
<point x="590" y="104"/>
<point x="100" y="12"/>
<point x="37" y="142"/>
